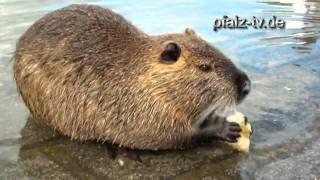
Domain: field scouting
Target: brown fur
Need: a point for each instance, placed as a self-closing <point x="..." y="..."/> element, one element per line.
<point x="90" y="74"/>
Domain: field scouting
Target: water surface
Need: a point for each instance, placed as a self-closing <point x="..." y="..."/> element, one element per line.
<point x="284" y="106"/>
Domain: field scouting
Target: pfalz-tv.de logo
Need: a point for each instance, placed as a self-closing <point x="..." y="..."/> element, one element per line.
<point x="242" y="23"/>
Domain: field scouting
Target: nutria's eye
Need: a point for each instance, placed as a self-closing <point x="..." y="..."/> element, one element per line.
<point x="171" y="52"/>
<point x="205" y="67"/>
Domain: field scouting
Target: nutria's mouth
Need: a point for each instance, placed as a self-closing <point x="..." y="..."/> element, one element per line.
<point x="219" y="108"/>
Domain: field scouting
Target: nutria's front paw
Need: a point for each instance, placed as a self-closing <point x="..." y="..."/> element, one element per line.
<point x="230" y="132"/>
<point x="217" y="126"/>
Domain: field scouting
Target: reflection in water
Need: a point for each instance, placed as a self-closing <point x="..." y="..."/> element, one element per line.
<point x="42" y="148"/>
<point x="302" y="21"/>
<point x="284" y="106"/>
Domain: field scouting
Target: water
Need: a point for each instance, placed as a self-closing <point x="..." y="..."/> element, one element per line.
<point x="284" y="106"/>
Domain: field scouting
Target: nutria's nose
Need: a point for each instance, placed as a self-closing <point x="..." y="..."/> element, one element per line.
<point x="243" y="85"/>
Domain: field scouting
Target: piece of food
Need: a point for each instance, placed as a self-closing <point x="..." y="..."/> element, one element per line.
<point x="243" y="143"/>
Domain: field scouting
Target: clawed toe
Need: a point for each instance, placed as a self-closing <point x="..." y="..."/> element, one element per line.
<point x="231" y="132"/>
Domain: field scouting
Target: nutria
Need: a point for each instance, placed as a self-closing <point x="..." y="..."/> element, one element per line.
<point x="91" y="75"/>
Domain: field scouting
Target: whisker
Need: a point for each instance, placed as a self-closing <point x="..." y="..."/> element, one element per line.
<point x="222" y="106"/>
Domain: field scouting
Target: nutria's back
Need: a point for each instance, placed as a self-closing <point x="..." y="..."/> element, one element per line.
<point x="90" y="74"/>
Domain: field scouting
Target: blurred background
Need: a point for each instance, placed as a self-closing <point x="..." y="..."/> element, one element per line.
<point x="284" y="106"/>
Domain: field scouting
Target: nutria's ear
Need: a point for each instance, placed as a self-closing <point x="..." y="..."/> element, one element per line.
<point x="190" y="31"/>
<point x="171" y="52"/>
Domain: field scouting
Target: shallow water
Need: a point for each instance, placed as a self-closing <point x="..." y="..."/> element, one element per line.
<point x="284" y="106"/>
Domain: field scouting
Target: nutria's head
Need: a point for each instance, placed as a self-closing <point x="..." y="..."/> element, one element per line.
<point x="195" y="77"/>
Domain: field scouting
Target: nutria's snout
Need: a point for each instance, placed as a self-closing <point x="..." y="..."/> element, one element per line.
<point x="243" y="85"/>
